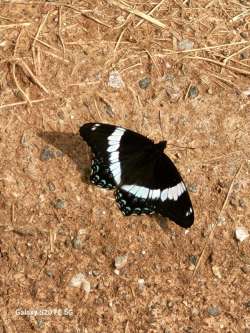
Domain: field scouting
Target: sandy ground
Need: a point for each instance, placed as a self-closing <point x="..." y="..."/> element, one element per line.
<point x="60" y="235"/>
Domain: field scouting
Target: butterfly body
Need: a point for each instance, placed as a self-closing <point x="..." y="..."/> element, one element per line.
<point x="146" y="180"/>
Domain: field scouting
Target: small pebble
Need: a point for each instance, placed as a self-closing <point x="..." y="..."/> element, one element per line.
<point x="193" y="92"/>
<point x="51" y="186"/>
<point x="216" y="271"/>
<point x="246" y="269"/>
<point x="115" y="80"/>
<point x="246" y="92"/>
<point x="141" y="284"/>
<point x="192" y="188"/>
<point x="77" y="280"/>
<point x="195" y="312"/>
<point x="40" y="323"/>
<point x="47" y="154"/>
<point x="248" y="304"/>
<point x="95" y="273"/>
<point x="193" y="260"/>
<point x="120" y="261"/>
<point x="173" y="93"/>
<point x="144" y="83"/>
<point x="59" y="204"/>
<point x="242" y="203"/>
<point x="241" y="233"/>
<point x="116" y="271"/>
<point x="59" y="153"/>
<point x="213" y="311"/>
<point x="49" y="273"/>
<point x="233" y="202"/>
<point x="76" y="243"/>
<point x="185" y="44"/>
<point x="170" y="304"/>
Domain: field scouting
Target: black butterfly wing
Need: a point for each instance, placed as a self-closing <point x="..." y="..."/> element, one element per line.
<point x="155" y="187"/>
<point x="111" y="144"/>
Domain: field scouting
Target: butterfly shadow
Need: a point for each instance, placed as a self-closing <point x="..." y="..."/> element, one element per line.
<point x="70" y="144"/>
<point x="163" y="223"/>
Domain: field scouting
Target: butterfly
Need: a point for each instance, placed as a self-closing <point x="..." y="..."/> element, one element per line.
<point x="145" y="179"/>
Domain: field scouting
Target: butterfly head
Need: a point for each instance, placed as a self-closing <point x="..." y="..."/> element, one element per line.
<point x="161" y="146"/>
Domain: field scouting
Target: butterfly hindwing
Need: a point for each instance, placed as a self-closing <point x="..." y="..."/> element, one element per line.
<point x="131" y="204"/>
<point x="146" y="180"/>
<point x="100" y="174"/>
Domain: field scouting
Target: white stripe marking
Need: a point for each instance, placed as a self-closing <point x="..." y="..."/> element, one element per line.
<point x="142" y="192"/>
<point x="173" y="193"/>
<point x="95" y="127"/>
<point x="114" y="143"/>
<point x="113" y="148"/>
<point x="189" y="212"/>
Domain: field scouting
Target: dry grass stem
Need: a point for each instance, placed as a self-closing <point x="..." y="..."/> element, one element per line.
<point x="234" y="69"/>
<point x="205" y="48"/>
<point x="225" y="80"/>
<point x="60" y="29"/>
<point x="55" y="56"/>
<point x="40" y="29"/>
<point x="14" y="25"/>
<point x="124" y="6"/>
<point x="119" y="40"/>
<point x="24" y="95"/>
<point x="31" y="75"/>
<point x="11" y="105"/>
<point x="150" y="12"/>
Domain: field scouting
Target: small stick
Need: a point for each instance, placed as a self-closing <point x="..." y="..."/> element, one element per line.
<point x="14" y="25"/>
<point x="234" y="69"/>
<point x="55" y="56"/>
<point x="33" y="49"/>
<point x="25" y="96"/>
<point x="29" y="73"/>
<point x="126" y="7"/>
<point x="60" y="29"/>
<point x="119" y="39"/>
<point x="17" y="42"/>
<point x="150" y="12"/>
<point x="40" y="29"/>
<point x="206" y="48"/>
<point x="4" y="106"/>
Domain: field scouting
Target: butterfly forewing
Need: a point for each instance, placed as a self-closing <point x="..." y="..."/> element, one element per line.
<point x="146" y="180"/>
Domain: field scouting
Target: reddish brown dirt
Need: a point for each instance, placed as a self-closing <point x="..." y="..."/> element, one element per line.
<point x="42" y="247"/>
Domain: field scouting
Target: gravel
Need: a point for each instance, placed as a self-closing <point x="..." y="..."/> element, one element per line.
<point x="145" y="83"/>
<point x="60" y="204"/>
<point x="47" y="154"/>
<point x="193" y="92"/>
<point x="115" y="80"/>
<point x="121" y="261"/>
<point x="185" y="44"/>
<point x="213" y="311"/>
<point x="241" y="233"/>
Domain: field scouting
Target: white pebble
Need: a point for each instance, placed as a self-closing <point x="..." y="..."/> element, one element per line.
<point x="120" y="261"/>
<point x="141" y="284"/>
<point x="115" y="80"/>
<point x="241" y="233"/>
<point x="77" y="280"/>
<point x="216" y="271"/>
